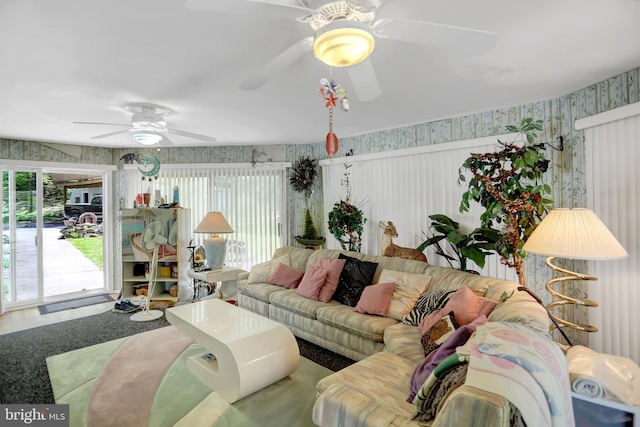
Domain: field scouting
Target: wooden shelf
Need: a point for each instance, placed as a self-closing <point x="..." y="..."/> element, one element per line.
<point x="176" y="222"/>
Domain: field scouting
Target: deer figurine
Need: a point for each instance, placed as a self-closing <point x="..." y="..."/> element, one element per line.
<point x="388" y="248"/>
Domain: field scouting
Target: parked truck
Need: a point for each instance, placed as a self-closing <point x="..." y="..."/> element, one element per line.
<point x="75" y="210"/>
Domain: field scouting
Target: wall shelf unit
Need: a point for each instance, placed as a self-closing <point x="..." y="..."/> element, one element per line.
<point x="172" y="224"/>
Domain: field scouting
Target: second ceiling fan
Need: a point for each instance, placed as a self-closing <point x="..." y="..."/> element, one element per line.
<point x="344" y="35"/>
<point x="148" y="126"/>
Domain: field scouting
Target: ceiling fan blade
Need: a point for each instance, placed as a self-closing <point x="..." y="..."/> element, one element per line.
<point x="279" y="63"/>
<point x="444" y="36"/>
<point x="100" y="123"/>
<point x="109" y="134"/>
<point x="364" y="80"/>
<point x="282" y="9"/>
<point x="192" y="135"/>
<point x="166" y="142"/>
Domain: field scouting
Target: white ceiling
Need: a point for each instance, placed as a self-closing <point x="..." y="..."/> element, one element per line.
<point x="83" y="60"/>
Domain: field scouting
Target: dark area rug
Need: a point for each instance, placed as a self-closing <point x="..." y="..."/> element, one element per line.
<point x="23" y="369"/>
<point x="75" y="303"/>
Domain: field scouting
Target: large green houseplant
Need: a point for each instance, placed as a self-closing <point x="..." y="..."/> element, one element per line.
<point x="460" y="247"/>
<point x="346" y="224"/>
<point x="508" y="185"/>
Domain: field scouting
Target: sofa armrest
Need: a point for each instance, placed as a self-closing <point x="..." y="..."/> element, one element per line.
<point x="243" y="276"/>
<point x="341" y="405"/>
<point x="471" y="407"/>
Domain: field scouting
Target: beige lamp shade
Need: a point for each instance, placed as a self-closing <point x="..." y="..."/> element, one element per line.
<point x="574" y="233"/>
<point x="215" y="246"/>
<point x="213" y="223"/>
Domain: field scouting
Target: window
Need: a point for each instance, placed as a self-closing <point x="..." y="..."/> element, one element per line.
<point x="250" y="198"/>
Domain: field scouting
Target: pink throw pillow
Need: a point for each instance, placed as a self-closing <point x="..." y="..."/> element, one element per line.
<point x="375" y="299"/>
<point x="286" y="276"/>
<point x="466" y="306"/>
<point x="334" y="268"/>
<point x="312" y="282"/>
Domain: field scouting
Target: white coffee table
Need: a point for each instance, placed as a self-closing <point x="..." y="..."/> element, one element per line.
<point x="249" y="351"/>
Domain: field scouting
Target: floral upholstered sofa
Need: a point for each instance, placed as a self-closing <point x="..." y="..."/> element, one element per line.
<point x="389" y="345"/>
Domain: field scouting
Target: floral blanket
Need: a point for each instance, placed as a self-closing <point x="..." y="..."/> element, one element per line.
<point x="525" y="367"/>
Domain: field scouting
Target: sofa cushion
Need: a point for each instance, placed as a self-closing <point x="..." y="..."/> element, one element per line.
<point x="428" y="302"/>
<point x="260" y="272"/>
<point x="289" y="300"/>
<point x="312" y="282"/>
<point x="286" y="276"/>
<point x="355" y="276"/>
<point x="404" y="340"/>
<point x="443" y="329"/>
<point x="298" y="257"/>
<point x="390" y="263"/>
<point x="364" y="325"/>
<point x="466" y="306"/>
<point x="375" y="299"/>
<point x="409" y="287"/>
<point x="260" y="291"/>
<point x="334" y="269"/>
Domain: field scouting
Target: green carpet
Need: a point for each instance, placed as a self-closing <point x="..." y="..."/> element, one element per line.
<point x="23" y="374"/>
<point x="83" y="379"/>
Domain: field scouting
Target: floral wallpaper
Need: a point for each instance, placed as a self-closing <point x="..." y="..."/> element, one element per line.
<point x="566" y="174"/>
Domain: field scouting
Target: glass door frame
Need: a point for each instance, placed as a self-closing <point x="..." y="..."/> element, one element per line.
<point x="107" y="172"/>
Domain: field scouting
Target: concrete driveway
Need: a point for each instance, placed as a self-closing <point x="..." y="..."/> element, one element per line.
<point x="65" y="269"/>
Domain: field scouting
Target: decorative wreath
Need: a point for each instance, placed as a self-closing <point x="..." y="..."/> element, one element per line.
<point x="303" y="174"/>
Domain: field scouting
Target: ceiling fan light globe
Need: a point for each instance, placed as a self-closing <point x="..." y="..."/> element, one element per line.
<point x="343" y="43"/>
<point x="147" y="138"/>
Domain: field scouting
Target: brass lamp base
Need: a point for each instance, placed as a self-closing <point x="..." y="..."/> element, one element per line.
<point x="567" y="300"/>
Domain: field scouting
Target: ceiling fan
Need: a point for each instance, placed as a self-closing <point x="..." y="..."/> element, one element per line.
<point x="344" y="26"/>
<point x="148" y="126"/>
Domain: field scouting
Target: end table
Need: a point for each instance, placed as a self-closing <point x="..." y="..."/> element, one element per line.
<point x="227" y="276"/>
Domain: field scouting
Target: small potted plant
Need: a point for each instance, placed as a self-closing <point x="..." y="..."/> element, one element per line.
<point x="310" y="234"/>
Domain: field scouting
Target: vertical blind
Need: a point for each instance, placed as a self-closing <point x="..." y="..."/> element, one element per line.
<point x="613" y="182"/>
<point x="405" y="187"/>
<point x="250" y="198"/>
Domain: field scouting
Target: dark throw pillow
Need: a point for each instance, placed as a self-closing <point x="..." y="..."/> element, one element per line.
<point x="355" y="276"/>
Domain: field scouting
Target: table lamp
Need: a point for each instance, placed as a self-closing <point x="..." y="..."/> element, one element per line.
<point x="215" y="246"/>
<point x="573" y="233"/>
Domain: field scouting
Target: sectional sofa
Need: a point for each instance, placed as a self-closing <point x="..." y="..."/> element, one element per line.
<point x="374" y="391"/>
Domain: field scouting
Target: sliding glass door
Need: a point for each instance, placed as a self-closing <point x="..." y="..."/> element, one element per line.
<point x="21" y="229"/>
<point x="44" y="257"/>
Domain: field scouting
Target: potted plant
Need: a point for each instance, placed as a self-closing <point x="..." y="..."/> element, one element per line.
<point x="460" y="247"/>
<point x="346" y="224"/>
<point x="310" y="234"/>
<point x="507" y="183"/>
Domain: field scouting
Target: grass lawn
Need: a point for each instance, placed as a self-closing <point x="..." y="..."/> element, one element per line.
<point x="91" y="247"/>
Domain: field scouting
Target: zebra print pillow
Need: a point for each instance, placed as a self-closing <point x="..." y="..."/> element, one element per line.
<point x="428" y="302"/>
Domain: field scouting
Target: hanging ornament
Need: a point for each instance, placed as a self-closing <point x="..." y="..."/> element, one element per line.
<point x="332" y="144"/>
<point x="332" y="94"/>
